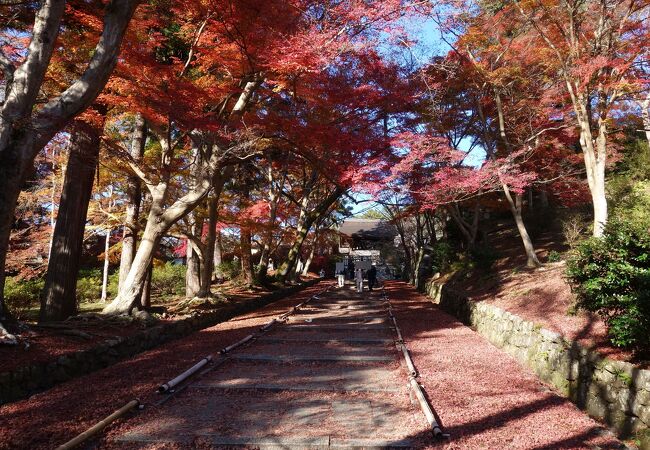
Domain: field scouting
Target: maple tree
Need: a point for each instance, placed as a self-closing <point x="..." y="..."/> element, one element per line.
<point x="26" y="128"/>
<point x="595" y="48"/>
<point x="255" y="95"/>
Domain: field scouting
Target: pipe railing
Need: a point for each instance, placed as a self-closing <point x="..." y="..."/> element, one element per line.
<point x="413" y="375"/>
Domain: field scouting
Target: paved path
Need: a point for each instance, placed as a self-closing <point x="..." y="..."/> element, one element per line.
<point x="329" y="377"/>
<point x="332" y="377"/>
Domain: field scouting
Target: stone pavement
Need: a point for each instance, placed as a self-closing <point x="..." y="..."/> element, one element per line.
<point x="329" y="377"/>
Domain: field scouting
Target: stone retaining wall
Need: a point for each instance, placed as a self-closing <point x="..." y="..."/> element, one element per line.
<point x="25" y="381"/>
<point x="615" y="392"/>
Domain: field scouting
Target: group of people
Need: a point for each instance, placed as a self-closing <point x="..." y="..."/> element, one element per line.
<point x="358" y="274"/>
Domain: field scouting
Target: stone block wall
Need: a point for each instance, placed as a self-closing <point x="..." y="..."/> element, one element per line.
<point x="27" y="380"/>
<point x="615" y="392"/>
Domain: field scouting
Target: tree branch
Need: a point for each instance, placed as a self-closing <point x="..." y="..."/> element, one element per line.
<point x="58" y="111"/>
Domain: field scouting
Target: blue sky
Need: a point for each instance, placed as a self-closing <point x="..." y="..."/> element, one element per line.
<point x="429" y="43"/>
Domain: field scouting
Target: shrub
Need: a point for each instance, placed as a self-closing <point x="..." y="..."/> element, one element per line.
<point x="22" y="295"/>
<point x="89" y="285"/>
<point x="442" y="256"/>
<point x="168" y="279"/>
<point x="230" y="269"/>
<point x="554" y="256"/>
<point x="575" y="228"/>
<point x="611" y="276"/>
<point x="628" y="187"/>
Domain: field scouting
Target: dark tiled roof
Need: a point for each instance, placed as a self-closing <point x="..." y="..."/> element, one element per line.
<point x="368" y="229"/>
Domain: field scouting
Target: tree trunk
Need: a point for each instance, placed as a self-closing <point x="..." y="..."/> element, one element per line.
<point x="59" y="297"/>
<point x="595" y="166"/>
<point x="310" y="258"/>
<point x="468" y="230"/>
<point x="133" y="200"/>
<point x="145" y="299"/>
<point x="594" y="152"/>
<point x="515" y="208"/>
<point x="599" y="193"/>
<point x="213" y="215"/>
<point x="246" y="261"/>
<point x="274" y="199"/>
<point x="416" y="281"/>
<point x="10" y="180"/>
<point x="129" y="296"/>
<point x="193" y="272"/>
<point x="107" y="246"/>
<point x="52" y="202"/>
<point x="217" y="257"/>
<point x="645" y="114"/>
<point x="208" y="259"/>
<point x="285" y="270"/>
<point x="304" y="225"/>
<point x="162" y="217"/>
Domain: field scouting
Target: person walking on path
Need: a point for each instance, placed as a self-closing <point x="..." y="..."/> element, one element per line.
<point x="372" y="277"/>
<point x="359" y="279"/>
<point x="341" y="277"/>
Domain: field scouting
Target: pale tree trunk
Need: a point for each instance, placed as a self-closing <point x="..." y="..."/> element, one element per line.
<point x="244" y="231"/>
<point x="195" y="253"/>
<point x="193" y="271"/>
<point x="274" y="198"/>
<point x="25" y="130"/>
<point x="129" y="297"/>
<point x="107" y="246"/>
<point x="53" y="203"/>
<point x="595" y="160"/>
<point x="246" y="260"/>
<point x="159" y="221"/>
<point x="416" y="272"/>
<point x="133" y="200"/>
<point x="217" y="256"/>
<point x="288" y="265"/>
<point x="594" y="152"/>
<point x="310" y="258"/>
<point x="516" y="204"/>
<point x="161" y="218"/>
<point x="515" y="208"/>
<point x="645" y="114"/>
<point x="59" y="295"/>
<point x="287" y="269"/>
